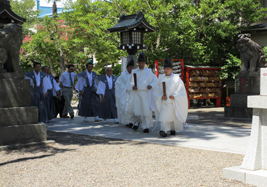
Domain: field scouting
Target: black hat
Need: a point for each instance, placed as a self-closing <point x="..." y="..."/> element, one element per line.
<point x="90" y="61"/>
<point x="141" y="57"/>
<point x="167" y="62"/>
<point x="130" y="63"/>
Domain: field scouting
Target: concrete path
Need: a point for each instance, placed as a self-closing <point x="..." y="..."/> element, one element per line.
<point x="208" y="137"/>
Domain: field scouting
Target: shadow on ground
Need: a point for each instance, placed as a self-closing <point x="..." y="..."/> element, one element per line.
<point x="43" y="150"/>
<point x="215" y="116"/>
<point x="84" y="140"/>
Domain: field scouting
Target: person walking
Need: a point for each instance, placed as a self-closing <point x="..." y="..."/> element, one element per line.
<point x="50" y="102"/>
<point x="106" y="89"/>
<point x="67" y="84"/>
<point x="39" y="90"/>
<point x="86" y="85"/>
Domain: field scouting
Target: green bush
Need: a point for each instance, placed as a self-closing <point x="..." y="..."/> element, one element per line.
<point x="231" y="68"/>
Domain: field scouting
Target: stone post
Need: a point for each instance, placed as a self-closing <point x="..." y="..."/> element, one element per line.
<point x="123" y="64"/>
<point x="253" y="169"/>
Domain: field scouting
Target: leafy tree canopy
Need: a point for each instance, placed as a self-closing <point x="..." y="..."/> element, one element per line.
<point x="25" y="9"/>
<point x="201" y="34"/>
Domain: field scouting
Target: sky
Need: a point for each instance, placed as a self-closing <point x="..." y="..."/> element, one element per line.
<point x="59" y="4"/>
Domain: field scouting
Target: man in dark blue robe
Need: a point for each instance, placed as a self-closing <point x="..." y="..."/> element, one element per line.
<point x="39" y="87"/>
<point x="89" y="105"/>
<point x="106" y="89"/>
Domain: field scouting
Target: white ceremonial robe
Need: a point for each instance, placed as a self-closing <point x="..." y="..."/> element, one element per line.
<point x="124" y="99"/>
<point x="171" y="113"/>
<point x="81" y="84"/>
<point x="55" y="88"/>
<point x="56" y="84"/>
<point x="143" y="102"/>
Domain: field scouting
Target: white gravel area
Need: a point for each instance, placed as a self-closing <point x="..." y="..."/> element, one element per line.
<point x="80" y="160"/>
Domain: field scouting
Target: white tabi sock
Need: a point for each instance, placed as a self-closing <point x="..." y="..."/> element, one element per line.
<point x="96" y="118"/>
<point x="104" y="121"/>
<point x="85" y="119"/>
<point x="116" y="120"/>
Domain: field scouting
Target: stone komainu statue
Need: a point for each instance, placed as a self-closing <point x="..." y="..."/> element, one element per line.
<point x="10" y="42"/>
<point x="252" y="55"/>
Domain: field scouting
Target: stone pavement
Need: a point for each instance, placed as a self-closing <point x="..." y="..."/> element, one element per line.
<point x="209" y="137"/>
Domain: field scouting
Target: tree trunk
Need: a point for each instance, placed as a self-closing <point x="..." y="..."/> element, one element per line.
<point x="52" y="68"/>
<point x="54" y="9"/>
<point x="61" y="60"/>
<point x="158" y="41"/>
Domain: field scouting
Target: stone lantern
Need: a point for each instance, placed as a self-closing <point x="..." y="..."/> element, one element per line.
<point x="132" y="29"/>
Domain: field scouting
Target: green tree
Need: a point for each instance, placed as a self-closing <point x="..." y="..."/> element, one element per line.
<point x="54" y="45"/>
<point x="25" y="9"/>
<point x="200" y="34"/>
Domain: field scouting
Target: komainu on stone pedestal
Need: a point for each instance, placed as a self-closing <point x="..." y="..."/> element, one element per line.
<point x="10" y="42"/>
<point x="248" y="81"/>
<point x="18" y="119"/>
<point x="251" y="54"/>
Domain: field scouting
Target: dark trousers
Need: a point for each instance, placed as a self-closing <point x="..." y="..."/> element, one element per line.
<point x="59" y="103"/>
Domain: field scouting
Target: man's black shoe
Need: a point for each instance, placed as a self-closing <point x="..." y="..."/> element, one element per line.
<point x="172" y="132"/>
<point x="146" y="130"/>
<point x="135" y="127"/>
<point x="162" y="133"/>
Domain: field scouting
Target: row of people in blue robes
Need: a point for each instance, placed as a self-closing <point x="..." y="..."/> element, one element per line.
<point x="97" y="94"/>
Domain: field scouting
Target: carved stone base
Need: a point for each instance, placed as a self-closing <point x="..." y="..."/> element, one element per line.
<point x="248" y="83"/>
<point x="13" y="75"/>
<point x="238" y="112"/>
<point x="14" y="92"/>
<point x="18" y="119"/>
<point x="18" y="116"/>
<point x="238" y="108"/>
<point x="22" y="134"/>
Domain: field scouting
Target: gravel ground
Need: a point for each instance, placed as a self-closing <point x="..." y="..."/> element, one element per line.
<point x="80" y="160"/>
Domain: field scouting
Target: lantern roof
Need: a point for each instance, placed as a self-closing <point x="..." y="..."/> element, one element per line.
<point x="131" y="22"/>
<point x="7" y="15"/>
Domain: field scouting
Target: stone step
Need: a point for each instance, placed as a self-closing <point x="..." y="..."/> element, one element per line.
<point x="19" y="134"/>
<point x="18" y="116"/>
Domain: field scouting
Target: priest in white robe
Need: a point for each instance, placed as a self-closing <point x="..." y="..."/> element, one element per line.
<point x="142" y="102"/>
<point x="124" y="99"/>
<point x="171" y="109"/>
<point x="40" y="85"/>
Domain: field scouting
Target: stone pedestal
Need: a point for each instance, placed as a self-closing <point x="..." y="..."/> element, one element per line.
<point x="245" y="84"/>
<point x="254" y="166"/>
<point x="15" y="92"/>
<point x="238" y="108"/>
<point x="19" y="120"/>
